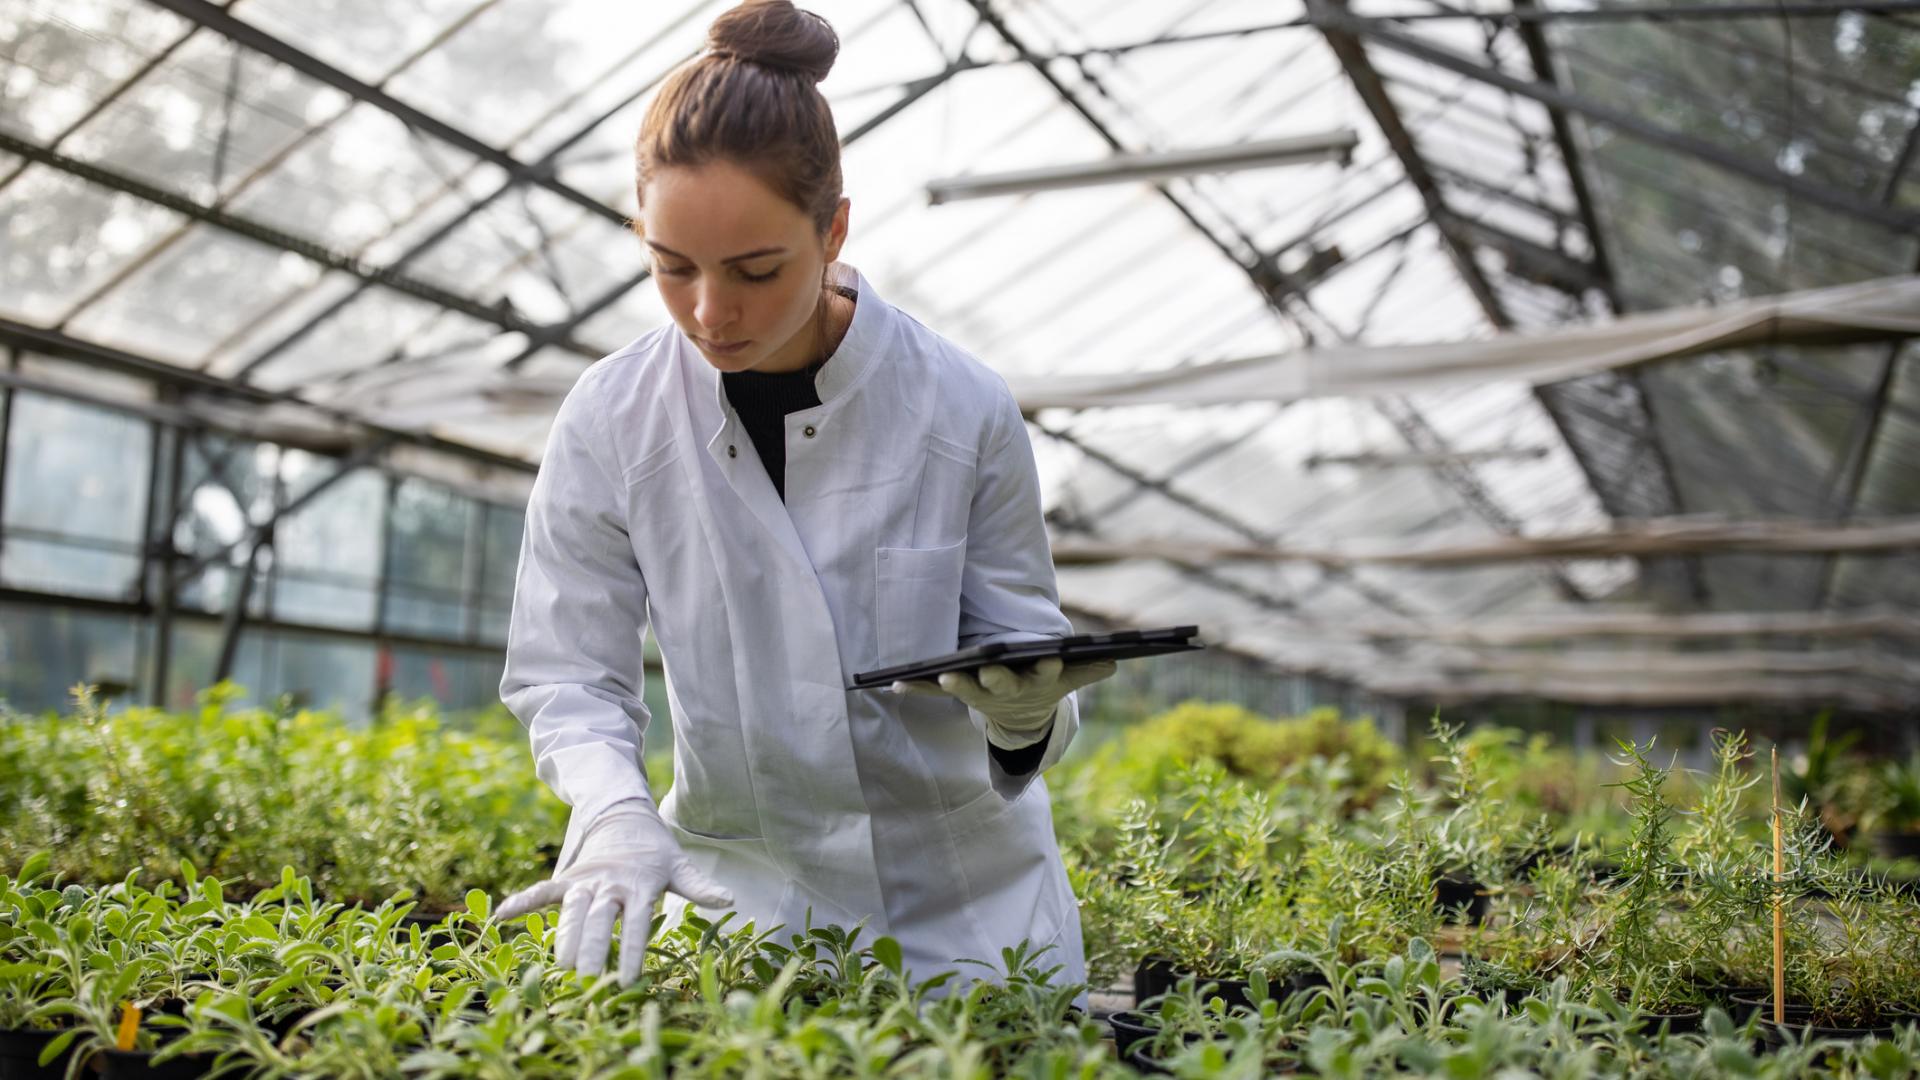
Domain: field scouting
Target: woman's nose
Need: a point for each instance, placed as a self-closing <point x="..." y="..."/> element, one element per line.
<point x="711" y="307"/>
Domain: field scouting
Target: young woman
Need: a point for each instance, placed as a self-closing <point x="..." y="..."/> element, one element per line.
<point x="792" y="482"/>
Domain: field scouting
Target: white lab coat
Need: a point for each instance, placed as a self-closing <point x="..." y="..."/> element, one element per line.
<point x="912" y="526"/>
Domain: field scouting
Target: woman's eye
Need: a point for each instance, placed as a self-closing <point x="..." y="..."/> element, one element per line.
<point x="768" y="276"/>
<point x="677" y="271"/>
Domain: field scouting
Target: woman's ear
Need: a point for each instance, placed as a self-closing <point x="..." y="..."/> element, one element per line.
<point x="837" y="228"/>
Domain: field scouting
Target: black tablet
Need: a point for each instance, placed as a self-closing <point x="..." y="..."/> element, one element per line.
<point x="1080" y="648"/>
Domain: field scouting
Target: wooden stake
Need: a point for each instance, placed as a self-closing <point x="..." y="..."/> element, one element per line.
<point x="1779" y="904"/>
<point x="129" y="1026"/>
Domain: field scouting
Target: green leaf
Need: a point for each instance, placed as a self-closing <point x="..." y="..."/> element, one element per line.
<point x="479" y="903"/>
<point x="36" y="865"/>
<point x="887" y="951"/>
<point x="58" y="1046"/>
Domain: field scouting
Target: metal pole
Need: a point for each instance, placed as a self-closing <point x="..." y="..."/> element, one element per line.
<point x="236" y="613"/>
<point x="162" y="546"/>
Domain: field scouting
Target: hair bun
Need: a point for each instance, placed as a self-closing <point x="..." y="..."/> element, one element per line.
<point x="775" y="34"/>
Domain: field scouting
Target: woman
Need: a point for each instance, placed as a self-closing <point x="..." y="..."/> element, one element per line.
<point x="792" y="482"/>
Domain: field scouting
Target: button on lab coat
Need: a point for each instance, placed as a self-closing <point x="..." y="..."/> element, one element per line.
<point x="912" y="526"/>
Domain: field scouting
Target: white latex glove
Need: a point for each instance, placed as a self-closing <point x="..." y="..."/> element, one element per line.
<point x="627" y="859"/>
<point x="1018" y="706"/>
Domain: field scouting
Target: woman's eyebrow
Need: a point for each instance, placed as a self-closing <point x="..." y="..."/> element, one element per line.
<point x="664" y="250"/>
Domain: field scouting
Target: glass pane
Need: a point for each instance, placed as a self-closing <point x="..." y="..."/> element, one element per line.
<point x="65" y="238"/>
<point x="427" y="560"/>
<point x="195" y="655"/>
<point x="375" y="324"/>
<point x="46" y="650"/>
<point x="455" y="680"/>
<point x="184" y="302"/>
<point x="329" y="550"/>
<point x="356" y="181"/>
<point x="56" y="567"/>
<point x="58" y="58"/>
<point x="75" y="497"/>
<point x="321" y="673"/>
<point x="178" y="130"/>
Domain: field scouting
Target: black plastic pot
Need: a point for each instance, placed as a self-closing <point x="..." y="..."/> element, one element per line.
<point x="282" y="1026"/>
<point x="1801" y="1023"/>
<point x="1463" y="899"/>
<point x="1676" y="1021"/>
<point x="1128" y="1029"/>
<point x="1301" y="982"/>
<point x="1738" y="1002"/>
<point x="1895" y="845"/>
<point x="20" y="1054"/>
<point x="132" y="1064"/>
<point x="1141" y="1062"/>
<point x="1157" y="975"/>
<point x="1131" y="1030"/>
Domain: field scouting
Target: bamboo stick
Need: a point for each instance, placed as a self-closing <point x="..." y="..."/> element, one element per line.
<point x="1779" y="905"/>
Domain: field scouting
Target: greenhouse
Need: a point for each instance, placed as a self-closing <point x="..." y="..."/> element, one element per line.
<point x="427" y="532"/>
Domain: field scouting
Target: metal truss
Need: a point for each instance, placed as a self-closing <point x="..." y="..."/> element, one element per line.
<point x="216" y="18"/>
<point x="1280" y="289"/>
<point x="65" y="346"/>
<point x="279" y="238"/>
<point x="1336" y="18"/>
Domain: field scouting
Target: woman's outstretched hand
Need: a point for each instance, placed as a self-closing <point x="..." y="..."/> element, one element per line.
<point x="627" y="860"/>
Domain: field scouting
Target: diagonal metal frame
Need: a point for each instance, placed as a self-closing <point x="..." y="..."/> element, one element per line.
<point x="1265" y="274"/>
<point x="1386" y="116"/>
<point x="546" y="165"/>
<point x="1377" y="32"/>
<point x="217" y="19"/>
<point x="1457" y="234"/>
<point x="274" y="237"/>
<point x="65" y="346"/>
<point x="1613" y="486"/>
<point x="1850" y="474"/>
<point x="1662" y="12"/>
<point x="1271" y="283"/>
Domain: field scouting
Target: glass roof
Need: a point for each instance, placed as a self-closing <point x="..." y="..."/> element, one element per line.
<point x="382" y="209"/>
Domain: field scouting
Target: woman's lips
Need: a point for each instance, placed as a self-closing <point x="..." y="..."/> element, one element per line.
<point x="724" y="350"/>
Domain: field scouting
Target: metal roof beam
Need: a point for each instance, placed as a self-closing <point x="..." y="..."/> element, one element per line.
<point x="216" y="18"/>
<point x="276" y="238"/>
<point x="60" y="344"/>
<point x="1373" y="92"/>
<point x="1661" y="12"/>
<point x="1536" y="262"/>
<point x="1273" y="284"/>
<point x="1906" y="222"/>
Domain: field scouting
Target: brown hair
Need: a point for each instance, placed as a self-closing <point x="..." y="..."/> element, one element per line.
<point x="751" y="100"/>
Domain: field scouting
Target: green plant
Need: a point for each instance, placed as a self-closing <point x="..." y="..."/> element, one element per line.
<point x="1638" y="958"/>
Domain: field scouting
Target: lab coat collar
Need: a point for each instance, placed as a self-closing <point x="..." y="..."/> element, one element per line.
<point x="852" y="359"/>
<point x="858" y="350"/>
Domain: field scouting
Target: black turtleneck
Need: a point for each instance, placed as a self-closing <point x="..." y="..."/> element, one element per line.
<point x="763" y="401"/>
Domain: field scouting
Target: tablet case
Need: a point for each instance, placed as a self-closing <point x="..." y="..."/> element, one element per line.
<point x="1080" y="648"/>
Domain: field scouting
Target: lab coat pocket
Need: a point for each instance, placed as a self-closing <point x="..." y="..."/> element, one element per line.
<point x="762" y="891"/>
<point x="1011" y="867"/>
<point x="917" y="602"/>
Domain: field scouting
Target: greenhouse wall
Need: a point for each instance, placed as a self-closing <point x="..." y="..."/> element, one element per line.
<point x="384" y="583"/>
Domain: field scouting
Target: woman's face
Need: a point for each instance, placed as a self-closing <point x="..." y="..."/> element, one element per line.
<point x="738" y="266"/>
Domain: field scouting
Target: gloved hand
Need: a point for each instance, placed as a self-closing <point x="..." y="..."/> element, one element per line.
<point x="627" y="859"/>
<point x="1018" y="707"/>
